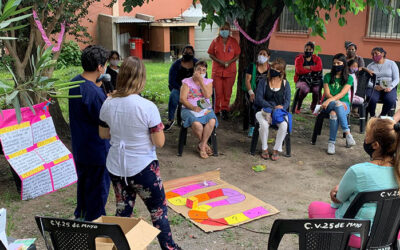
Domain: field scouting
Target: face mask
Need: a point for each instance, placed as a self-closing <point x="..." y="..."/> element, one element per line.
<point x="308" y="53"/>
<point x="368" y="149"/>
<point x="114" y="62"/>
<point x="187" y="57"/>
<point x="351" y="53"/>
<point x="262" y="59"/>
<point x="377" y="58"/>
<point x="338" y="68"/>
<point x="203" y="75"/>
<point x="224" y="33"/>
<point x="353" y="70"/>
<point x="274" y="73"/>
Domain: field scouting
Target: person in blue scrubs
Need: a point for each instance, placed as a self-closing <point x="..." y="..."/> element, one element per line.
<point x="88" y="149"/>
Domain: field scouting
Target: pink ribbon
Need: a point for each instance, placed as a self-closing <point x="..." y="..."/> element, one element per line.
<point x="44" y="36"/>
<point x="251" y="39"/>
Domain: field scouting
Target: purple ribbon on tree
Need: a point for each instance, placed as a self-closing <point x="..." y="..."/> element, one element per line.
<point x="251" y="39"/>
<point x="44" y="36"/>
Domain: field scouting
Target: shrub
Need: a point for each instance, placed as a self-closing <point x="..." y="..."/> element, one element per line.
<point x="70" y="55"/>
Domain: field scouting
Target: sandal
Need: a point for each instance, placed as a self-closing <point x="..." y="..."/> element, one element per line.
<point x="265" y="155"/>
<point x="209" y="151"/>
<point x="203" y="153"/>
<point x="275" y="157"/>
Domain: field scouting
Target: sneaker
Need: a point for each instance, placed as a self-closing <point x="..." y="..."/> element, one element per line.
<point x="350" y="140"/>
<point x="331" y="148"/>
<point x="251" y="131"/>
<point x="169" y="125"/>
<point x="225" y="115"/>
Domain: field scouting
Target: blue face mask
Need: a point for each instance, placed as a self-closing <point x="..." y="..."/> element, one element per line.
<point x="224" y="33"/>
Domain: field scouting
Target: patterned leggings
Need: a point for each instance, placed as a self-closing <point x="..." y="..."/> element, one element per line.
<point x="148" y="185"/>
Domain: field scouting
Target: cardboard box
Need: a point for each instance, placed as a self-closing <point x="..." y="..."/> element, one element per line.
<point x="138" y="232"/>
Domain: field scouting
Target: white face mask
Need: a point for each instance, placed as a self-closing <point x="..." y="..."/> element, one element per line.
<point x="262" y="59"/>
<point x="114" y="62"/>
<point x="203" y="75"/>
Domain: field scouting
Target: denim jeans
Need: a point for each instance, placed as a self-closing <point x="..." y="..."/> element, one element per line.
<point x="173" y="103"/>
<point x="388" y="99"/>
<point x="340" y="117"/>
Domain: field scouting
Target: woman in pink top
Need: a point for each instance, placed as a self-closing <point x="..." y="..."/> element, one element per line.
<point x="197" y="109"/>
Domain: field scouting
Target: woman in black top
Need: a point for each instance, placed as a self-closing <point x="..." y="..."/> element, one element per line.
<point x="260" y="70"/>
<point x="113" y="68"/>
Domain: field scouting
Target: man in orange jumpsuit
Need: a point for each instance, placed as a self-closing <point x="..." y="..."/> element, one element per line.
<point x="224" y="51"/>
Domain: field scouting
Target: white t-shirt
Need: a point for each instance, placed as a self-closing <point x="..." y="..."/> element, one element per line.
<point x="129" y="119"/>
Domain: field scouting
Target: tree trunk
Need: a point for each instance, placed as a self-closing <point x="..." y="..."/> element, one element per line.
<point x="61" y="125"/>
<point x="259" y="26"/>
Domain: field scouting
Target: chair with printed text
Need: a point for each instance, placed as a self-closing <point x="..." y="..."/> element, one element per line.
<point x="318" y="234"/>
<point x="78" y="235"/>
<point x="386" y="223"/>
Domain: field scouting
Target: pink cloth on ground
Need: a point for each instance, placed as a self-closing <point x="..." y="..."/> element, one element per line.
<point x="323" y="210"/>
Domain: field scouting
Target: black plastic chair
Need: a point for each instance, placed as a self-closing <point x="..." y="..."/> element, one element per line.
<point x="297" y="93"/>
<point x="79" y="235"/>
<point x="319" y="234"/>
<point x="363" y="78"/>
<point x="256" y="134"/>
<point x="2" y="247"/>
<point x="387" y="217"/>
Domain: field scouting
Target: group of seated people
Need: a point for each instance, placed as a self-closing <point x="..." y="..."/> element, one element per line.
<point x="267" y="92"/>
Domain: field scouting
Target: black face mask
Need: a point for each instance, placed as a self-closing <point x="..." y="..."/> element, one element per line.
<point x="274" y="73"/>
<point x="187" y="57"/>
<point x="338" y="68"/>
<point x="307" y="54"/>
<point x="368" y="149"/>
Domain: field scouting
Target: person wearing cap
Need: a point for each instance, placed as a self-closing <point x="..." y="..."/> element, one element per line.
<point x="224" y="51"/>
<point x="387" y="79"/>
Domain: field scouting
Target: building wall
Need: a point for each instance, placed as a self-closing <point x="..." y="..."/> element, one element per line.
<point x="355" y="31"/>
<point x="158" y="8"/>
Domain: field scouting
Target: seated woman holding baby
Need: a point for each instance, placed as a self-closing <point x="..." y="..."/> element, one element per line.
<point x="197" y="111"/>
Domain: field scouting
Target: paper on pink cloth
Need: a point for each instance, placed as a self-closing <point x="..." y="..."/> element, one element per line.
<point x="35" y="152"/>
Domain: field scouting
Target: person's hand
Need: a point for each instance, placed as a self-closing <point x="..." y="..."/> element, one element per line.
<point x="333" y="194"/>
<point x="252" y="97"/>
<point x="196" y="109"/>
<point x="279" y="107"/>
<point x="227" y="64"/>
<point x="197" y="78"/>
<point x="388" y="90"/>
<point x="370" y="72"/>
<point x="307" y="67"/>
<point x="325" y="104"/>
<point x="378" y="87"/>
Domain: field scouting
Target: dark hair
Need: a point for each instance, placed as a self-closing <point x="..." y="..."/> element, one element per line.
<point x="113" y="52"/>
<point x="347" y="44"/>
<point x="93" y="56"/>
<point x="311" y="44"/>
<point x="200" y="63"/>
<point x="188" y="47"/>
<point x="345" y="72"/>
<point x="380" y="49"/>
<point x="266" y="49"/>
<point x="350" y="62"/>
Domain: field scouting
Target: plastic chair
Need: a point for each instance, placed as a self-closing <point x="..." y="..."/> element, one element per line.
<point x="2" y="247"/>
<point x="256" y="134"/>
<point x="319" y="234"/>
<point x="386" y="223"/>
<point x="79" y="235"/>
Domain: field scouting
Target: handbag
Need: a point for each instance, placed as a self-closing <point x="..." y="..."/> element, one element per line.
<point x="313" y="78"/>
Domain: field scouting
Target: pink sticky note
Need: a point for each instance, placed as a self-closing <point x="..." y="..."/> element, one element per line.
<point x="255" y="212"/>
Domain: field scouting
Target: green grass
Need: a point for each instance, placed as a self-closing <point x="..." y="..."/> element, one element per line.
<point x="156" y="84"/>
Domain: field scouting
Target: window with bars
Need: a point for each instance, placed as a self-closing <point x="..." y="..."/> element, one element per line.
<point x="288" y="23"/>
<point x="383" y="25"/>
